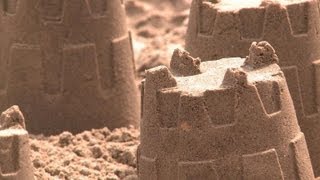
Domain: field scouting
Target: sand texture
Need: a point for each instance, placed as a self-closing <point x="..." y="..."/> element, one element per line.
<point x="97" y="154"/>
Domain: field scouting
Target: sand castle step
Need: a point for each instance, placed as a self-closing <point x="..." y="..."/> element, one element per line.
<point x="227" y="119"/>
<point x="222" y="29"/>
<point x="68" y="64"/>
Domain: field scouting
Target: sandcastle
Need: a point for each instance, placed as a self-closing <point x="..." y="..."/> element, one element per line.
<point x="15" y="161"/>
<point x="218" y="29"/>
<point x="68" y="64"/>
<point x="227" y="119"/>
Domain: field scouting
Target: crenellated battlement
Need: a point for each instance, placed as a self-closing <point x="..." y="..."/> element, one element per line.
<point x="207" y="94"/>
<point x="254" y="23"/>
<point x="218" y="30"/>
<point x="213" y="28"/>
<point x="58" y="11"/>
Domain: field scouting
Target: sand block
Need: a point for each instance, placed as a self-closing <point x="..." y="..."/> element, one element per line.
<point x="234" y="119"/>
<point x="226" y="28"/>
<point x="68" y="64"/>
<point x="15" y="163"/>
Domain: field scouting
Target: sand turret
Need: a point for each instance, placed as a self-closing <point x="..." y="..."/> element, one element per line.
<point x="234" y="120"/>
<point x="226" y="28"/>
<point x="68" y="64"/>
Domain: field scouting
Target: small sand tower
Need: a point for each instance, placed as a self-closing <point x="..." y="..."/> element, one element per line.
<point x="226" y="29"/>
<point x="15" y="163"/>
<point x="68" y="64"/>
<point x="227" y="119"/>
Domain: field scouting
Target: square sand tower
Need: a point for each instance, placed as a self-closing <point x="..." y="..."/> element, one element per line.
<point x="227" y="119"/>
<point x="226" y="28"/>
<point x="15" y="163"/>
<point x="68" y="64"/>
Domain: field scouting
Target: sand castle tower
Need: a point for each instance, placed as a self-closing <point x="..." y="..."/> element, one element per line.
<point x="222" y="29"/>
<point x="15" y="163"/>
<point x="227" y="119"/>
<point x="68" y="64"/>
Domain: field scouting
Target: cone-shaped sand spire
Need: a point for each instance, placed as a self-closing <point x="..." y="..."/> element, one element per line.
<point x="226" y="29"/>
<point x="15" y="163"/>
<point x="233" y="120"/>
<point x="68" y="64"/>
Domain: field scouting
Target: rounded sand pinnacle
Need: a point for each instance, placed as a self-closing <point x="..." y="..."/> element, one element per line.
<point x="12" y="118"/>
<point x="261" y="54"/>
<point x="183" y="64"/>
<point x="234" y="77"/>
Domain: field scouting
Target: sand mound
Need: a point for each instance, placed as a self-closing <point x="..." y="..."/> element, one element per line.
<point x="92" y="154"/>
